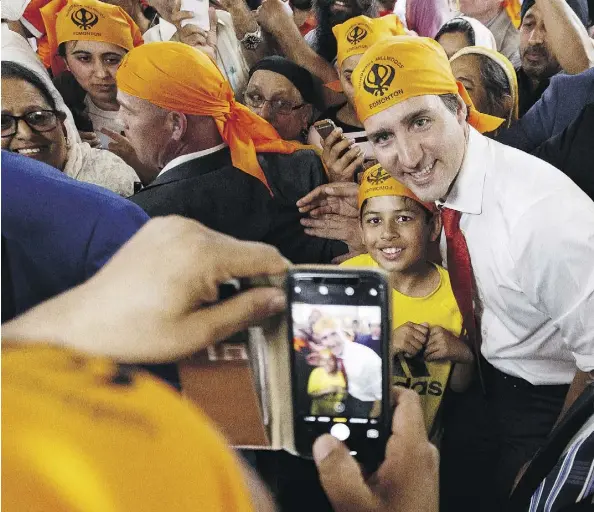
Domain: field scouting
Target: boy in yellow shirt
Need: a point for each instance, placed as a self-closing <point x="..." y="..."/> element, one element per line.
<point x="397" y="229"/>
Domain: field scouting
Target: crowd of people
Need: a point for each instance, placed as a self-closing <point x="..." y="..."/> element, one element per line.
<point x="427" y="138"/>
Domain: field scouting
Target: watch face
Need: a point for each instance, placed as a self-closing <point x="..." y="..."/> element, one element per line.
<point x="252" y="41"/>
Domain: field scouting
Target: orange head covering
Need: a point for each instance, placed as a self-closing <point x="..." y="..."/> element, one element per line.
<point x="377" y="182"/>
<point x="513" y="9"/>
<point x="354" y="36"/>
<point x="175" y="76"/>
<point x="87" y="20"/>
<point x="507" y="67"/>
<point x="398" y="68"/>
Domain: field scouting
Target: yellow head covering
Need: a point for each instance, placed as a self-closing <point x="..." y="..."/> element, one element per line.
<point x="354" y="36"/>
<point x="513" y="9"/>
<point x="177" y="77"/>
<point x="398" y="68"/>
<point x="376" y="182"/>
<point x="324" y="324"/>
<point x="508" y="69"/>
<point x="87" y="20"/>
<point x="77" y="435"/>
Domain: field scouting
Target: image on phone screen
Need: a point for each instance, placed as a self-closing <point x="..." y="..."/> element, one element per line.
<point x="339" y="351"/>
<point x="339" y="329"/>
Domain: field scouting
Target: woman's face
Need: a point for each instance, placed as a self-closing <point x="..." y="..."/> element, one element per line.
<point x="94" y="65"/>
<point x="19" y="98"/>
<point x="467" y="69"/>
<point x="277" y="98"/>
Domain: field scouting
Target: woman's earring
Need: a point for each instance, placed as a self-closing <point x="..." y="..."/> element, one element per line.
<point x="304" y="133"/>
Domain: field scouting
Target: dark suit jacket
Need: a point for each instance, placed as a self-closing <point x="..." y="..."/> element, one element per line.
<point x="560" y="104"/>
<point x="210" y="190"/>
<point x="572" y="151"/>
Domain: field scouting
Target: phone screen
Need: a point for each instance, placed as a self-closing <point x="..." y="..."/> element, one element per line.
<point x="340" y="332"/>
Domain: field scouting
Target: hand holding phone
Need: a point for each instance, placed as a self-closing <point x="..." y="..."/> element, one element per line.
<point x="341" y="156"/>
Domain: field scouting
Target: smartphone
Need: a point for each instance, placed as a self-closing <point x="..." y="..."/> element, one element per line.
<point x="200" y="10"/>
<point x="339" y="335"/>
<point x="324" y="127"/>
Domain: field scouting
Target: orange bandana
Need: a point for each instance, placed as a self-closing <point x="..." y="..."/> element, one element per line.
<point x="398" y="68"/>
<point x="377" y="182"/>
<point x="513" y="9"/>
<point x="87" y="20"/>
<point x="175" y="76"/>
<point x="354" y="36"/>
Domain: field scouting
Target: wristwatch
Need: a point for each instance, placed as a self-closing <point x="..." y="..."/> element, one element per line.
<point x="251" y="40"/>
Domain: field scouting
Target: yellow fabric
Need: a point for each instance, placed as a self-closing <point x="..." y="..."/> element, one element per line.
<point x="508" y="69"/>
<point x="75" y="441"/>
<point x="324" y="324"/>
<point x="398" y="68"/>
<point x="437" y="309"/>
<point x="177" y="77"/>
<point x="355" y="36"/>
<point x="377" y="182"/>
<point x="87" y="20"/>
<point x="320" y="380"/>
<point x="513" y="9"/>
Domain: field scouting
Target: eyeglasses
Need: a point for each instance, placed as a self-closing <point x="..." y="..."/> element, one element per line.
<point x="277" y="106"/>
<point x="39" y="121"/>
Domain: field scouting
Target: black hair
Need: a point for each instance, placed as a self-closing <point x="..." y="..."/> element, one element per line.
<point x="14" y="70"/>
<point x="450" y="101"/>
<point x="408" y="201"/>
<point x="496" y="85"/>
<point x="458" y="25"/>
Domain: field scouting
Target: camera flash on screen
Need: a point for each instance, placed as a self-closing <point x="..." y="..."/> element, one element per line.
<point x="349" y="291"/>
<point x="297" y="289"/>
<point x="323" y="290"/>
<point x="373" y="292"/>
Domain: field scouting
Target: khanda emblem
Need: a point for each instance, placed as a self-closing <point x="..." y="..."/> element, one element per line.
<point x="356" y="34"/>
<point x="378" y="176"/>
<point x="84" y="19"/>
<point x="379" y="79"/>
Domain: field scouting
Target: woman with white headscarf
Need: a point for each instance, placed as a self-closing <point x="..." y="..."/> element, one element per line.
<point x="463" y="31"/>
<point x="34" y="125"/>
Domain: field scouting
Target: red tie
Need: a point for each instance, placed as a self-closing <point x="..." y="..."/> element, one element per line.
<point x="460" y="271"/>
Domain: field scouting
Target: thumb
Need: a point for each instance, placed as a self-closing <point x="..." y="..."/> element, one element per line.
<point x="341" y="477"/>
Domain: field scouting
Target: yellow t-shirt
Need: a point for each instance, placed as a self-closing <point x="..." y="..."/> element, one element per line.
<point x="79" y="435"/>
<point x="319" y="380"/>
<point x="439" y="308"/>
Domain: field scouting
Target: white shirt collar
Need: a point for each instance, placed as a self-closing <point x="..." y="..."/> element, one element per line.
<point x="466" y="195"/>
<point x="191" y="156"/>
<point x="166" y="29"/>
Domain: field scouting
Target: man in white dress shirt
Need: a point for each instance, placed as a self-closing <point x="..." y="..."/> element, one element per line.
<point x="361" y="366"/>
<point x="529" y="232"/>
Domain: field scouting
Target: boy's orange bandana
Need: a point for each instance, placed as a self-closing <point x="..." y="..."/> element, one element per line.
<point x="356" y="35"/>
<point x="175" y="76"/>
<point x="377" y="182"/>
<point x="87" y="20"/>
<point x="398" y="68"/>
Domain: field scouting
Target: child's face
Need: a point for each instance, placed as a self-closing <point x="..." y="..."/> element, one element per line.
<point x="396" y="232"/>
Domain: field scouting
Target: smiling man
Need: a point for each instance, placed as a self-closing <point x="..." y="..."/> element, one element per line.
<point x="520" y="246"/>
